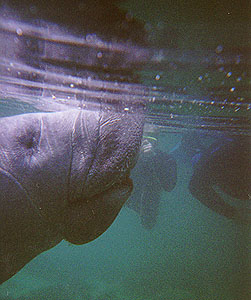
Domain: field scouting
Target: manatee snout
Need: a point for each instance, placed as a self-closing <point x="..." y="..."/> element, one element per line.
<point x="88" y="218"/>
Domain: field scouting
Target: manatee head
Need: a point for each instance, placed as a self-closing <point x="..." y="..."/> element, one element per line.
<point x="100" y="182"/>
<point x="63" y="175"/>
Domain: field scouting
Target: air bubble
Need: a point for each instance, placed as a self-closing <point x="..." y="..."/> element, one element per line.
<point x="219" y="49"/>
<point x="99" y="55"/>
<point x="91" y="38"/>
<point x="19" y="31"/>
<point x="238" y="59"/>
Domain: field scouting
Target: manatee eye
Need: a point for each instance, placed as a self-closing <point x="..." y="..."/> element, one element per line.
<point x="26" y="141"/>
<point x="29" y="139"/>
<point x="29" y="143"/>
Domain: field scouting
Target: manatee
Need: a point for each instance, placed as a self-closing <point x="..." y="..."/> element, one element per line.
<point x="223" y="170"/>
<point x="63" y="175"/>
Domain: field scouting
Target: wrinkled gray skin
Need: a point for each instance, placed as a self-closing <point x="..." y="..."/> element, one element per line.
<point x="63" y="175"/>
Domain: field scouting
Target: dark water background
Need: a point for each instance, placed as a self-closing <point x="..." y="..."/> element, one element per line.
<point x="192" y="253"/>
